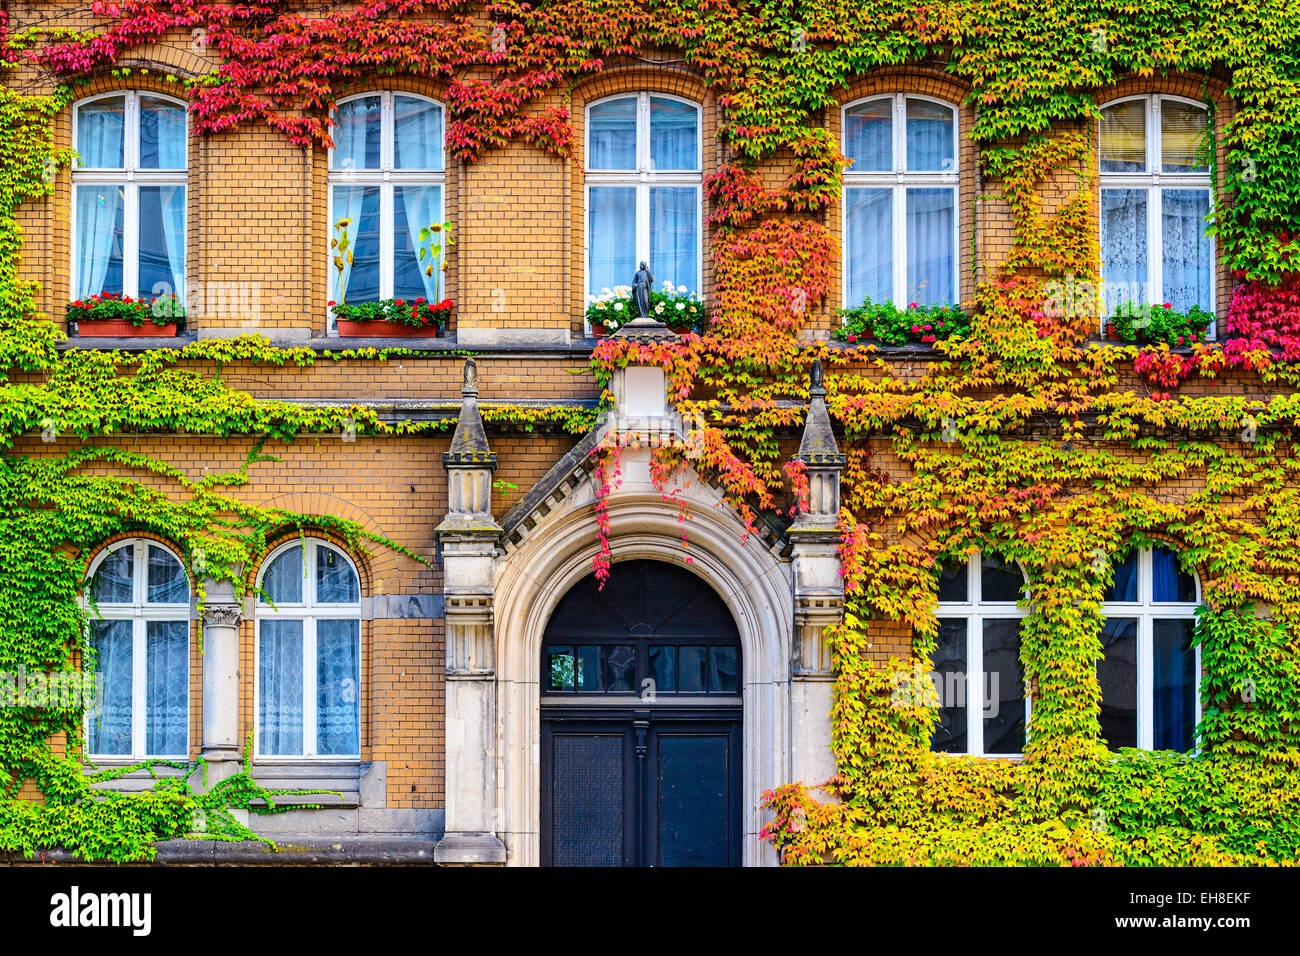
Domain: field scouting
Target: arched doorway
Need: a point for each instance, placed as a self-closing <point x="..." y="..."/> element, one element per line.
<point x="641" y="710"/>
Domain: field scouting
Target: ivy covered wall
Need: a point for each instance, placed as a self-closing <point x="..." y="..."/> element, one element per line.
<point x="1019" y="438"/>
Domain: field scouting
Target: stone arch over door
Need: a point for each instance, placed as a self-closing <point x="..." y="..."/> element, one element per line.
<point x="535" y="573"/>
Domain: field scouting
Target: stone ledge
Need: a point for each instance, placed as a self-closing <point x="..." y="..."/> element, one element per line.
<point x="306" y="851"/>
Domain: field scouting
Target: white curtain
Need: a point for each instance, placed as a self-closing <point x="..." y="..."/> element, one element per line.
<point x="612" y="134"/>
<point x="99" y="231"/>
<point x="167" y="690"/>
<point x="869" y="217"/>
<point x="611" y="237"/>
<point x="348" y="201"/>
<point x="101" y="128"/>
<point x="1185" y="248"/>
<point x="674" y="213"/>
<point x="282" y="581"/>
<point x="931" y="259"/>
<point x="280" y="683"/>
<point x="418" y="129"/>
<point x="162" y="135"/>
<point x="422" y="206"/>
<point x="674" y="134"/>
<point x="929" y="136"/>
<point x="1124" y="246"/>
<point x="338" y="673"/>
<point x="173" y="219"/>
<point x="357" y="133"/>
<point x="109" y="730"/>
<point x="869" y="136"/>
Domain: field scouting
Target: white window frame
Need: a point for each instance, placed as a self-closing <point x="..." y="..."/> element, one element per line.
<point x="642" y="179"/>
<point x="309" y="611"/>
<point x="1147" y="612"/>
<point x="974" y="611"/>
<point x="1154" y="180"/>
<point x="139" y="612"/>
<point x="129" y="177"/>
<point x="387" y="178"/>
<point x="899" y="180"/>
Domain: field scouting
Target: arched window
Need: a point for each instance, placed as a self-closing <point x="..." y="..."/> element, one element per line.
<point x="1149" y="670"/>
<point x="128" y="196"/>
<point x="139" y="604"/>
<point x="984" y="708"/>
<point x="900" y="201"/>
<point x="309" y="653"/>
<point x="386" y="185"/>
<point x="1155" y="197"/>
<point x="643" y="190"/>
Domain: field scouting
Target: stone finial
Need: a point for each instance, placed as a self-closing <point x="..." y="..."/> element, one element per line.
<point x="820" y="455"/>
<point x="469" y="444"/>
<point x="470" y="385"/>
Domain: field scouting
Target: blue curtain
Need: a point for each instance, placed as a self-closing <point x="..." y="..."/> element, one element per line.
<point x="358" y="134"/>
<point x="338" y="675"/>
<point x="109" y="726"/>
<point x="1185" y="248"/>
<point x="931" y="257"/>
<point x="1174" y="686"/>
<point x="611" y="237"/>
<point x="869" y="223"/>
<point x="418" y="131"/>
<point x="280" y="683"/>
<point x="930" y="139"/>
<point x="868" y="136"/>
<point x="674" y="134"/>
<point x="167" y="688"/>
<point x="674" y="238"/>
<point x="611" y="135"/>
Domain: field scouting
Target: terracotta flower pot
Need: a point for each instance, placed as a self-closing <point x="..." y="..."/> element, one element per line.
<point x="598" y="330"/>
<point x="120" y="328"/>
<point x="384" y="330"/>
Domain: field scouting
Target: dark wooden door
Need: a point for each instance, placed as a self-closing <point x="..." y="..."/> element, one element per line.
<point x="643" y="788"/>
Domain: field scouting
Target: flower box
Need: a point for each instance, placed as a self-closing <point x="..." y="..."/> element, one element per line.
<point x="381" y="328"/>
<point x="121" y="328"/>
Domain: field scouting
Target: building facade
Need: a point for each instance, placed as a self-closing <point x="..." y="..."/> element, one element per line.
<point x="474" y="691"/>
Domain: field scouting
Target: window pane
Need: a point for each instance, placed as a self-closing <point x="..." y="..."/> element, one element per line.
<point x="416" y="208"/>
<point x="167" y="581"/>
<point x="1124" y="245"/>
<point x="674" y="134"/>
<point x="620" y="668"/>
<point x="674" y="239"/>
<point x="338" y="683"/>
<point x="870" y="238"/>
<point x="359" y="205"/>
<point x="1125" y="586"/>
<point x="1124" y="137"/>
<point x="101" y="223"/>
<point x="663" y="668"/>
<point x="1185" y="248"/>
<point x="115" y="577"/>
<point x="1003" y="703"/>
<point x="612" y="134"/>
<point x="869" y="136"/>
<point x="930" y="140"/>
<point x="952" y="581"/>
<point x="336" y="582"/>
<point x="588" y="675"/>
<point x="417" y="126"/>
<point x="1182" y="129"/>
<point x="931" y="258"/>
<point x="279" y="719"/>
<point x="999" y="580"/>
<point x="109" y="730"/>
<point x="282" y="581"/>
<point x="949" y="676"/>
<point x="723" y="672"/>
<point x="611" y="237"/>
<point x="692" y="662"/>
<point x="1170" y="582"/>
<point x="559" y="666"/>
<point x="1174" y="692"/>
<point x="357" y="133"/>
<point x="167" y="688"/>
<point x="162" y="134"/>
<point x="101" y="133"/>
<point x="1117" y="675"/>
<point x="162" y="241"/>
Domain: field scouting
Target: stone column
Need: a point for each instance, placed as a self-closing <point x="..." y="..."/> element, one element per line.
<point x="468" y="536"/>
<point x="818" y="592"/>
<point x="222" y="748"/>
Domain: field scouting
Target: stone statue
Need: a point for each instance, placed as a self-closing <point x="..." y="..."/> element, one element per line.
<point x="471" y="377"/>
<point x="815" y="377"/>
<point x="641" y="286"/>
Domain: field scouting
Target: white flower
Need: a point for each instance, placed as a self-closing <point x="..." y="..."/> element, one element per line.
<point x="618" y="306"/>
<point x="680" y="306"/>
<point x="659" y="309"/>
<point x="668" y="286"/>
<point x="681" y="290"/>
<point x="605" y="291"/>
